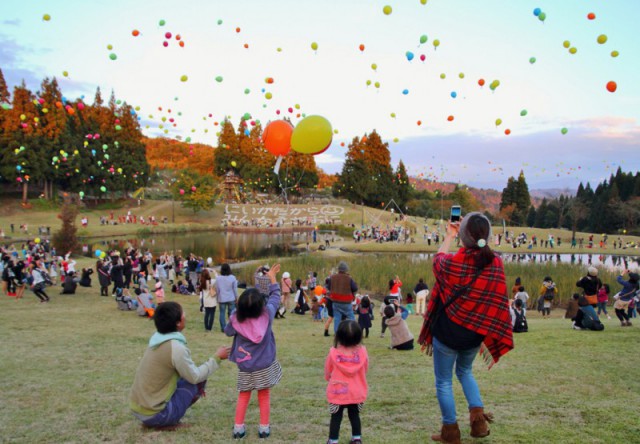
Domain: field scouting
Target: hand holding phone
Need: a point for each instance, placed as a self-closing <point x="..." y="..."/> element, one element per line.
<point x="456" y="213"/>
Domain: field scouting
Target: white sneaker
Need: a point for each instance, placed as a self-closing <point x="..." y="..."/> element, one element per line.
<point x="575" y="327"/>
<point x="608" y="317"/>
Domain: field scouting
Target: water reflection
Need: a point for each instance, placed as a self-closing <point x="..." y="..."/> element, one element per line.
<point x="220" y="246"/>
<point x="611" y="262"/>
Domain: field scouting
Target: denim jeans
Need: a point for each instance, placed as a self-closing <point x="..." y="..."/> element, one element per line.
<point x="444" y="359"/>
<point x="185" y="396"/>
<point x="342" y="311"/>
<point x="225" y="310"/>
<point x="602" y="307"/>
<point x="209" y="316"/>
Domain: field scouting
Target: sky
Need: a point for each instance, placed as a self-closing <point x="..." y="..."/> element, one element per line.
<point x="244" y="42"/>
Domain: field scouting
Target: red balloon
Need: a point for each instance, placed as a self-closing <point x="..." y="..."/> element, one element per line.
<point x="481" y="82"/>
<point x="277" y="137"/>
<point x="612" y="86"/>
<point x="135" y="33"/>
<point x="450" y="118"/>
<point x="423" y="57"/>
<point x="165" y="43"/>
<point x="237" y="29"/>
<point x="167" y="35"/>
<point x="507" y="131"/>
<point x="591" y="16"/>
<point x="361" y="47"/>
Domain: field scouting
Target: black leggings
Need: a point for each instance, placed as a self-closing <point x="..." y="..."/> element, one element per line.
<point x="622" y="315"/>
<point x="41" y="295"/>
<point x="336" y="420"/>
<point x="209" y="316"/>
<point x="104" y="291"/>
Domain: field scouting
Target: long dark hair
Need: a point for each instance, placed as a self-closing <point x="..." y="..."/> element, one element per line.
<point x="478" y="227"/>
<point x="250" y="305"/>
<point x="204" y="278"/>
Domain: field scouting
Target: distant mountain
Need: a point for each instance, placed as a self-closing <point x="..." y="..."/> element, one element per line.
<point x="552" y="193"/>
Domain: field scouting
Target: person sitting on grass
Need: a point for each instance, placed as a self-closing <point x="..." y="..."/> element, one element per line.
<point x="401" y="337"/>
<point x="586" y="318"/>
<point x="167" y="382"/>
<point x="124" y="301"/>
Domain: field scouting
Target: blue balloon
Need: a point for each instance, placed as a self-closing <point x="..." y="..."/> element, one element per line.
<point x="98" y="253"/>
<point x="18" y="167"/>
<point x="454" y="94"/>
<point x="246" y="132"/>
<point x="537" y="11"/>
<point x="405" y="91"/>
<point x="409" y="55"/>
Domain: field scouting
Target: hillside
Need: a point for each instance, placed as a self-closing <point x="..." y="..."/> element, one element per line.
<point x="488" y="198"/>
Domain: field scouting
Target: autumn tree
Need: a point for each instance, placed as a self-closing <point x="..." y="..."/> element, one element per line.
<point x="5" y="96"/>
<point x="65" y="240"/>
<point x="194" y="191"/>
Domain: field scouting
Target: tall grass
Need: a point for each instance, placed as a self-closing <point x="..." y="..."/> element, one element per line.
<point x="372" y="273"/>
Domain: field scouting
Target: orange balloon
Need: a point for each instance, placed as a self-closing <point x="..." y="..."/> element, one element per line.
<point x="591" y="16"/>
<point x="361" y="47"/>
<point x="612" y="86"/>
<point x="277" y="137"/>
<point x="419" y="122"/>
<point x="181" y="43"/>
<point x="319" y="290"/>
<point x="450" y="118"/>
<point x="135" y="33"/>
<point x="507" y="131"/>
<point x="246" y="46"/>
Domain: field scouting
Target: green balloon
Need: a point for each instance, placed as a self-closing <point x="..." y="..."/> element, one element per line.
<point x="162" y="23"/>
<point x="103" y="188"/>
<point x="247" y="90"/>
<point x="523" y="112"/>
<point x="423" y="39"/>
<point x="219" y="79"/>
<point x="113" y="56"/>
<point x="532" y="60"/>
<point x="542" y="16"/>
<point x="564" y="131"/>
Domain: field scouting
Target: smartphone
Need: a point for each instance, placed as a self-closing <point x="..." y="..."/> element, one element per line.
<point x="456" y="212"/>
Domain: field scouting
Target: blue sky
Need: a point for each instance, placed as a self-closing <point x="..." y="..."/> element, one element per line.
<point x="488" y="39"/>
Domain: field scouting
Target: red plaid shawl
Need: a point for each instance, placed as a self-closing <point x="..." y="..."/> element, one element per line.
<point x="484" y="308"/>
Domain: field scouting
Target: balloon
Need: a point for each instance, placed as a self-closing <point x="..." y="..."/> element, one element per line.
<point x="65" y="73"/>
<point x="481" y="82"/>
<point x="81" y="194"/>
<point x="46" y="17"/>
<point x="103" y="255"/>
<point x="436" y="43"/>
<point x="393" y="115"/>
<point x="405" y="91"/>
<point x="443" y="76"/>
<point x="109" y="47"/>
<point x="219" y="22"/>
<point x="374" y="66"/>
<point x="277" y="137"/>
<point x="361" y="47"/>
<point x="423" y="2"/>
<point x="573" y="50"/>
<point x="615" y="54"/>
<point x="537" y="12"/>
<point x="564" y="131"/>
<point x="165" y="44"/>
<point x="461" y="75"/>
<point x="494" y="85"/>
<point x="318" y="290"/>
<point x="162" y="22"/>
<point x="422" y="57"/>
<point x="135" y="33"/>
<point x="167" y="35"/>
<point x="233" y="163"/>
<point x="113" y="56"/>
<point x="247" y="90"/>
<point x="423" y="39"/>
<point x="314" y="46"/>
<point x="312" y="135"/>
<point x="98" y="253"/>
<point x="566" y="43"/>
<point x="209" y="261"/>
<point x="602" y="39"/>
<point x="542" y="17"/>
<point x="387" y="10"/>
<point x="612" y="86"/>
<point x="193" y="189"/>
<point x="237" y="30"/>
<point x="591" y="16"/>
<point x="507" y="131"/>
<point x="368" y="82"/>
<point x="450" y="118"/>
<point x="409" y="55"/>
<point x="454" y="94"/>
<point x="268" y="96"/>
<point x="103" y="188"/>
<point x="269" y="80"/>
<point x="219" y="79"/>
<point x="184" y="78"/>
<point x="523" y="112"/>
<point x="377" y="84"/>
<point x="498" y="122"/>
<point x="532" y="60"/>
<point x="181" y="192"/>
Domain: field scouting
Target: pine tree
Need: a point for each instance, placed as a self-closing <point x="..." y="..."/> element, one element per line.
<point x="403" y="187"/>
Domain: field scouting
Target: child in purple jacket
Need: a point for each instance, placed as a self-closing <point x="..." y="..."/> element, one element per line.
<point x="254" y="351"/>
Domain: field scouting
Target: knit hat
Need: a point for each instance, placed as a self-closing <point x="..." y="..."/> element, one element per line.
<point x="593" y="271"/>
<point x="343" y="267"/>
<point x="466" y="238"/>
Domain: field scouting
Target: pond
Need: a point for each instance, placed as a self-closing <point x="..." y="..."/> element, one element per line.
<point x="220" y="246"/>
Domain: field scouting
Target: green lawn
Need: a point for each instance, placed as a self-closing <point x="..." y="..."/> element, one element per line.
<point x="67" y="367"/>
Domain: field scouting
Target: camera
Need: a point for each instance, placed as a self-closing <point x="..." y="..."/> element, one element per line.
<point x="456" y="213"/>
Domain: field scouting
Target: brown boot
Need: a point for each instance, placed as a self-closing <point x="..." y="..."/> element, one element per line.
<point x="450" y="433"/>
<point x="479" y="419"/>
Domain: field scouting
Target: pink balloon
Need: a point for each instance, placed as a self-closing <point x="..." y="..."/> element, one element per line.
<point x="193" y="189"/>
<point x="181" y="191"/>
<point x="422" y="57"/>
<point x="167" y="35"/>
<point x="165" y="44"/>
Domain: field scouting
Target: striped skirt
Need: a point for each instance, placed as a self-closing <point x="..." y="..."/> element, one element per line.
<point x="260" y="379"/>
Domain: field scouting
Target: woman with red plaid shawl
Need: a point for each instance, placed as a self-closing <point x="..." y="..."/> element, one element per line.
<point x="468" y="312"/>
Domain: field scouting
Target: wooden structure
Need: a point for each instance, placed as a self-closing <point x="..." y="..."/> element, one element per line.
<point x="231" y="189"/>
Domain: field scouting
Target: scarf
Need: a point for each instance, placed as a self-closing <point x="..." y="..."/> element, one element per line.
<point x="483" y="308"/>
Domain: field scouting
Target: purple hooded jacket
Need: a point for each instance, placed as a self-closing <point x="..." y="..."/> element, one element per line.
<point x="254" y="345"/>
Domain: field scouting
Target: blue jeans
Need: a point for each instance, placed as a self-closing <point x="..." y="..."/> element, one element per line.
<point x="225" y="310"/>
<point x="602" y="306"/>
<point x="185" y="396"/>
<point x="342" y="311"/>
<point x="443" y="360"/>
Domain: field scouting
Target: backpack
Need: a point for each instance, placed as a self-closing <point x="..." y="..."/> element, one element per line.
<point x="521" y="325"/>
<point x="549" y="294"/>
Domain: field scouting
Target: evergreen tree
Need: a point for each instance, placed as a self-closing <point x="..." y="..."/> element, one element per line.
<point x="531" y="216"/>
<point x="516" y="193"/>
<point x="403" y="186"/>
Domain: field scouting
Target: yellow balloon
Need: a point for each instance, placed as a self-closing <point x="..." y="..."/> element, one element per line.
<point x="374" y="66"/>
<point x="602" y="39"/>
<point x="312" y="135"/>
<point x="443" y="76"/>
<point x="573" y="50"/>
<point x="498" y="122"/>
<point x="233" y="163"/>
<point x="566" y="44"/>
<point x="387" y="10"/>
<point x="615" y="53"/>
<point x="314" y="46"/>
<point x="268" y="96"/>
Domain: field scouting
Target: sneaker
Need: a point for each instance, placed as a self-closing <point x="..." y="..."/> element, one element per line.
<point x="575" y="327"/>
<point x="264" y="433"/>
<point x="239" y="433"/>
<point x="356" y="441"/>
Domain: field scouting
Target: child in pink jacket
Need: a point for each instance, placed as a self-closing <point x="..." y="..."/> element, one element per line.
<point x="346" y="370"/>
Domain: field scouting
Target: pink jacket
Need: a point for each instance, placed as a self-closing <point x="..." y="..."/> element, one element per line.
<point x="346" y="371"/>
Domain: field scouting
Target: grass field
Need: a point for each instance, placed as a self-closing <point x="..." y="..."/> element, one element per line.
<point x="67" y="367"/>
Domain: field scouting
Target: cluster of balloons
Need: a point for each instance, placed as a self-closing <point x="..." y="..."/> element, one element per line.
<point x="312" y="135"/>
<point x="542" y="16"/>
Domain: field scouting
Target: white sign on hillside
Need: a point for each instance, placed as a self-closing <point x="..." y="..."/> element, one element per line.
<point x="298" y="215"/>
